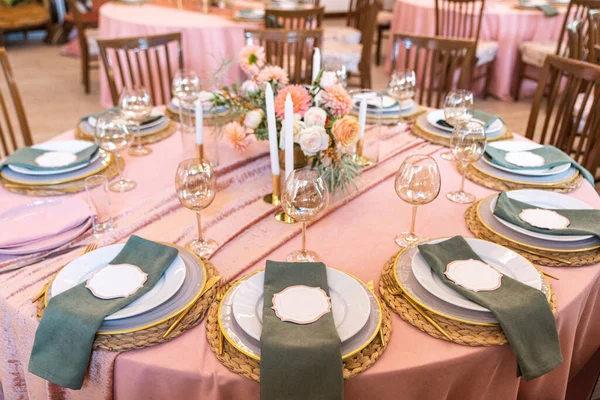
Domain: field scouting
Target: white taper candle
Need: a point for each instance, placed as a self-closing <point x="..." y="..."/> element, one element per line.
<point x="199" y="122"/>
<point x="272" y="128"/>
<point x="316" y="63"/>
<point x="289" y="135"/>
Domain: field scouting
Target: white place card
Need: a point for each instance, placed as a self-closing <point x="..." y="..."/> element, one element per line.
<point x="473" y="275"/>
<point x="524" y="159"/>
<point x="114" y="281"/>
<point x="301" y="304"/>
<point x="53" y="159"/>
<point x="545" y="219"/>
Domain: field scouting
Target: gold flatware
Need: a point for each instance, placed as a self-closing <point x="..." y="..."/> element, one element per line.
<point x="211" y="282"/>
<point x="90" y="247"/>
<point x="47" y="256"/>
<point x="537" y="253"/>
<point x="549" y="275"/>
<point x="398" y="292"/>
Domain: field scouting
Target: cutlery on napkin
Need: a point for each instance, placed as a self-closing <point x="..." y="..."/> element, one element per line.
<point x="25" y="157"/>
<point x="523" y="312"/>
<point x="64" y="338"/>
<point x="486" y="118"/>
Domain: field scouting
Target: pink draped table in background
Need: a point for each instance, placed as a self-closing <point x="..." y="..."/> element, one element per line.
<point x="357" y="235"/>
<point x="501" y="23"/>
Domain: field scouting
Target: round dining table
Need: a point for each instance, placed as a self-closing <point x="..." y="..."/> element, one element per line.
<point x="356" y="234"/>
<point x="502" y="22"/>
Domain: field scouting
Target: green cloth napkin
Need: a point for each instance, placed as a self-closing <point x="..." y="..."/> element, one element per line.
<point x="298" y="362"/>
<point x="548" y="9"/>
<point x="487" y="119"/>
<point x="25" y="158"/>
<point x="63" y="341"/>
<point x="553" y="157"/>
<point x="523" y="311"/>
<point x="583" y="222"/>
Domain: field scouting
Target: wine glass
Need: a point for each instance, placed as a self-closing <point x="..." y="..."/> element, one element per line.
<point x="185" y="86"/>
<point x="113" y="135"/>
<point x="417" y="182"/>
<point x="336" y="66"/>
<point x="468" y="143"/>
<point x="136" y="106"/>
<point x="196" y="186"/>
<point x="402" y="87"/>
<point x="304" y="197"/>
<point x="458" y="107"/>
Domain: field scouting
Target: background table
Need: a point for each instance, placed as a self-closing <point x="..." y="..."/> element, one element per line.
<point x="357" y="236"/>
<point x="501" y="22"/>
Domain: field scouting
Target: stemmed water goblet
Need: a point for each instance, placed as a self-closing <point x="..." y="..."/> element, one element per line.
<point x="136" y="106"/>
<point x="458" y="108"/>
<point x="402" y="87"/>
<point x="417" y="182"/>
<point x="468" y="143"/>
<point x="196" y="186"/>
<point x="185" y="87"/>
<point x="305" y="196"/>
<point x="113" y="135"/>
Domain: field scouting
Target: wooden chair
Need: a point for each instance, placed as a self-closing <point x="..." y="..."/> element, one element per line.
<point x="532" y="54"/>
<point x="384" y="24"/>
<point x="88" y="46"/>
<point x="11" y="108"/>
<point x="572" y="117"/>
<point x="436" y="61"/>
<point x="576" y="39"/>
<point x="594" y="36"/>
<point x="142" y="61"/>
<point x="351" y="33"/>
<point x="291" y="50"/>
<point x="462" y="19"/>
<point x="295" y="19"/>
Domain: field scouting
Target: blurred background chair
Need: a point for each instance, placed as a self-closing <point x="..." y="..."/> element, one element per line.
<point x="87" y="37"/>
<point x="23" y="16"/>
<point x="310" y="18"/>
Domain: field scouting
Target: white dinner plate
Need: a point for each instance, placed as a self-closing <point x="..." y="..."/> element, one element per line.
<point x="511" y="145"/>
<point x="349" y="303"/>
<point x="80" y="269"/>
<point x="544" y="199"/>
<point x="434" y="116"/>
<point x="546" y="180"/>
<point x="506" y="261"/>
<point x="69" y="146"/>
<point x="92" y="120"/>
<point x="50" y="242"/>
<point x="145" y="130"/>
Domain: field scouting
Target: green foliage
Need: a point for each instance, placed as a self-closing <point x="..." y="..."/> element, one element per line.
<point x="341" y="174"/>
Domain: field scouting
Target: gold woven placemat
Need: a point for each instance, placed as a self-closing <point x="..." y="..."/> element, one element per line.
<point x="152" y="336"/>
<point x="248" y="367"/>
<point x="540" y="257"/>
<point x="460" y="332"/>
<point x="445" y="141"/>
<point x="148" y="139"/>
<point x="63" y="188"/>
<point x="473" y="174"/>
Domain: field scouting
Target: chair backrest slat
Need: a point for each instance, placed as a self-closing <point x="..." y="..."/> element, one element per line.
<point x="14" y="129"/>
<point x="594" y="36"/>
<point x="294" y="19"/>
<point x="148" y="74"/>
<point x="459" y="18"/>
<point x="576" y="40"/>
<point x="577" y="10"/>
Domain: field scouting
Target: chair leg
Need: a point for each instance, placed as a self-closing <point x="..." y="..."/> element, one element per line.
<point x="520" y="74"/>
<point x="378" y="46"/>
<point x="488" y="78"/>
<point x="85" y="73"/>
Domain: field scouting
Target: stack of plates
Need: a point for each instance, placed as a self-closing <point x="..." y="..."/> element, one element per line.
<point x="22" y="176"/>
<point x="537" y="241"/>
<point x="208" y="109"/>
<point x="249" y="14"/>
<point x="423" y="286"/>
<point x="534" y="177"/>
<point x="382" y="105"/>
<point x="178" y="288"/>
<point x="429" y="123"/>
<point x="155" y="125"/>
<point x="356" y="313"/>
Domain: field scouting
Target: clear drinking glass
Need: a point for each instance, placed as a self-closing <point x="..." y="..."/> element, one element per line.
<point x="196" y="186"/>
<point x="185" y="86"/>
<point x="98" y="196"/>
<point x="113" y="135"/>
<point x="337" y="66"/>
<point x="368" y="146"/>
<point x="417" y="182"/>
<point x="136" y="106"/>
<point x="468" y="143"/>
<point x="458" y="107"/>
<point x="402" y="87"/>
<point x="305" y="196"/>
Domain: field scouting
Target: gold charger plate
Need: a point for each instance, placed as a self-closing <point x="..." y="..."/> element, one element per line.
<point x="506" y="133"/>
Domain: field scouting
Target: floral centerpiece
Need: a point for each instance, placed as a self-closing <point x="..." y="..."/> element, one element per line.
<point x="323" y="130"/>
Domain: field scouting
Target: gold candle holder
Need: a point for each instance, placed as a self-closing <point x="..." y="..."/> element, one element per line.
<point x="275" y="197"/>
<point x="358" y="156"/>
<point x="200" y="151"/>
<point x="281" y="216"/>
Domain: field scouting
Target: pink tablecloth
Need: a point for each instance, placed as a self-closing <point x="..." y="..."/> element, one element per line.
<point x="208" y="40"/>
<point x="501" y="22"/>
<point x="356" y="237"/>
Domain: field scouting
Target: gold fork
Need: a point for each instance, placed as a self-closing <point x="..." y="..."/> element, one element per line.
<point x="90" y="247"/>
<point x="396" y="291"/>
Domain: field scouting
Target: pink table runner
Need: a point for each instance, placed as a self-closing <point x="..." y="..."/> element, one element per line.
<point x="414" y="364"/>
<point x="501" y="22"/>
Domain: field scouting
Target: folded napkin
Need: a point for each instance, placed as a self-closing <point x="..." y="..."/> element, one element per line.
<point x="523" y="312"/>
<point x="25" y="158"/>
<point x="548" y="9"/>
<point x="63" y="341"/>
<point x="486" y="118"/>
<point x="583" y="222"/>
<point x="92" y="119"/>
<point x="553" y="157"/>
<point x="298" y="361"/>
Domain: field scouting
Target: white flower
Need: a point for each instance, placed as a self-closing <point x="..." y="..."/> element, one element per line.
<point x="315" y="116"/>
<point x="313" y="140"/>
<point x="328" y="78"/>
<point x="298" y="126"/>
<point x="253" y="118"/>
<point x="249" y="87"/>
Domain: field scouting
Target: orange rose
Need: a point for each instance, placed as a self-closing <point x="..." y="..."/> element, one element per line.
<point x="346" y="130"/>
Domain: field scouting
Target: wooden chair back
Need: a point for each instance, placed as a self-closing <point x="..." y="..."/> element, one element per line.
<point x="459" y="18"/>
<point x="80" y="26"/>
<point x="142" y="61"/>
<point x="577" y="48"/>
<point x="367" y="26"/>
<point x="577" y="10"/>
<point x="574" y="88"/>
<point x="14" y="129"/>
<point x="291" y="50"/>
<point x="440" y="64"/>
<point x="594" y="36"/>
<point x="295" y="19"/>
<point x="354" y="17"/>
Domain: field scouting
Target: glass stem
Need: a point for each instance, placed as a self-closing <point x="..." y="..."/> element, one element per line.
<point x="118" y="157"/>
<point x="462" y="181"/>
<point x="139" y="136"/>
<point x="414" y="220"/>
<point x="303" y="237"/>
<point x="200" y="238"/>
